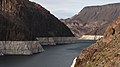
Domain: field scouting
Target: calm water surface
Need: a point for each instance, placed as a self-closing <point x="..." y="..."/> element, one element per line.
<point x="54" y="56"/>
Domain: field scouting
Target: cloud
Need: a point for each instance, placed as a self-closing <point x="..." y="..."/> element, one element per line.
<point x="67" y="8"/>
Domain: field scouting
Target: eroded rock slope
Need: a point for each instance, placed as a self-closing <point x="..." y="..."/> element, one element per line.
<point x="93" y="19"/>
<point x="105" y="52"/>
<point x="25" y="20"/>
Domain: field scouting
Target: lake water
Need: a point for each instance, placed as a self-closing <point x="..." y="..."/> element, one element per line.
<point x="53" y="56"/>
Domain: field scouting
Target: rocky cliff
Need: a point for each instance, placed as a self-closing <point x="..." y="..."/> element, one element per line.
<point x="105" y="52"/>
<point x="25" y="20"/>
<point x="93" y="19"/>
<point x="22" y="22"/>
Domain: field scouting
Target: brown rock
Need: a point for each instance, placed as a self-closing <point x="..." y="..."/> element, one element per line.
<point x="105" y="52"/>
<point x="25" y="20"/>
<point x="93" y="20"/>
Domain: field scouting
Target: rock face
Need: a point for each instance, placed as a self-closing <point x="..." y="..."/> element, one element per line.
<point x="22" y="21"/>
<point x="105" y="52"/>
<point x="90" y="37"/>
<point x="20" y="47"/>
<point x="25" y="20"/>
<point x="57" y="40"/>
<point x="93" y="19"/>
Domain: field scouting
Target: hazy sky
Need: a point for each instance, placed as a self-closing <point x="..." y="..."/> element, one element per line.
<point x="68" y="8"/>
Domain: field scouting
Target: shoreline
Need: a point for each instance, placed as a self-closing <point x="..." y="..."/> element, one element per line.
<point x="74" y="61"/>
<point x="33" y="47"/>
<point x="90" y="37"/>
<point x="20" y="47"/>
<point x="57" y="40"/>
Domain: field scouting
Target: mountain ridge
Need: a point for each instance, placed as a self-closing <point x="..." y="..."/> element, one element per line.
<point x="93" y="19"/>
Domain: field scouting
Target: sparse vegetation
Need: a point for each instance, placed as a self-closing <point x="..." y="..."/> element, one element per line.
<point x="107" y="52"/>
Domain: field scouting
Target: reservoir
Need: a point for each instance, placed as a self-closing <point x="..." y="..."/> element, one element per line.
<point x="53" y="56"/>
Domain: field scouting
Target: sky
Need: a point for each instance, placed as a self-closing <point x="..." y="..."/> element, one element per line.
<point x="68" y="8"/>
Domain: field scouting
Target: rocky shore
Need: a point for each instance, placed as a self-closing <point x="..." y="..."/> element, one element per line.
<point x="74" y="61"/>
<point x="105" y="52"/>
<point x="91" y="37"/>
<point x="31" y="47"/>
<point x="20" y="47"/>
<point x="57" y="40"/>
